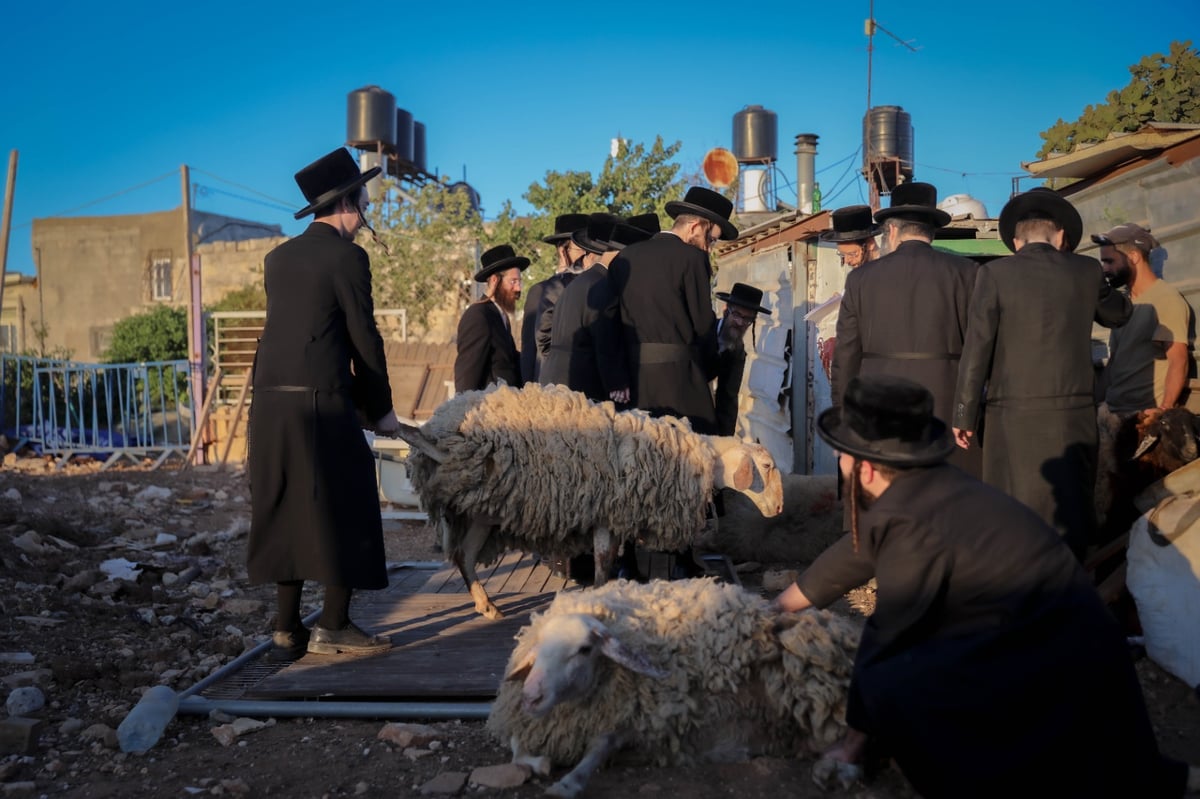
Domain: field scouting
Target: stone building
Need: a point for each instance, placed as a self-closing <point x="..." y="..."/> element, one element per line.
<point x="96" y="271"/>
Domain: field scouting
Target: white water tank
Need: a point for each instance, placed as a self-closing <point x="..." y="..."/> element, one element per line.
<point x="963" y="206"/>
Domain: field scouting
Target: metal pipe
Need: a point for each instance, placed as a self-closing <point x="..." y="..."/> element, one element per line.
<point x="806" y="171"/>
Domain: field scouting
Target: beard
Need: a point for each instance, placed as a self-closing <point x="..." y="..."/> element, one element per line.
<point x="507" y="298"/>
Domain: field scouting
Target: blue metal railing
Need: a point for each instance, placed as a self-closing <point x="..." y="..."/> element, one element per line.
<point x="65" y="408"/>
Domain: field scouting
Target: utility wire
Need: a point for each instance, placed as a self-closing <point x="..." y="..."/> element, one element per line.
<point x="113" y="196"/>
<point x="204" y="190"/>
<point x="282" y="203"/>
<point x="968" y="174"/>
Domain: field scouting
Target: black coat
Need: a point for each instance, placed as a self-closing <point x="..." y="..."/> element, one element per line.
<point x="586" y="353"/>
<point x="314" y="499"/>
<point x="531" y="361"/>
<point x="731" y="367"/>
<point x="1029" y="341"/>
<point x="905" y="314"/>
<point x="669" y="328"/>
<point x="486" y="350"/>
<point x="990" y="663"/>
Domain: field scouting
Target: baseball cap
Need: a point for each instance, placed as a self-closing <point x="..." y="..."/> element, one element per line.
<point x="1128" y="233"/>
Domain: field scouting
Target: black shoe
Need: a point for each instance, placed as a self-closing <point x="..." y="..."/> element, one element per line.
<point x="582" y="569"/>
<point x="288" y="646"/>
<point x="350" y="640"/>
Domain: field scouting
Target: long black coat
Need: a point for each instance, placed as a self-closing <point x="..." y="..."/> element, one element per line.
<point x="669" y="328"/>
<point x="531" y="360"/>
<point x="905" y="314"/>
<point x="1029" y="341"/>
<point x="990" y="663"/>
<point x="731" y="367"/>
<point x="586" y="353"/>
<point x="486" y="350"/>
<point x="313" y="495"/>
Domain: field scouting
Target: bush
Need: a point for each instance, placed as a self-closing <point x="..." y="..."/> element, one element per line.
<point x="156" y="335"/>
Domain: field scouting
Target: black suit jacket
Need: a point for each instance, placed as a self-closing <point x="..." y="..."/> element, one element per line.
<point x="530" y="359"/>
<point x="486" y="350"/>
<point x="585" y="342"/>
<point x="669" y="328"/>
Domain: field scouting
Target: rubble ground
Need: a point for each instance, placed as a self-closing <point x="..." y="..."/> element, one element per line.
<point x="114" y="581"/>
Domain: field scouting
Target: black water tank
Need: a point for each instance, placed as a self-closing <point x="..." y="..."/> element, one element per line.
<point x="418" y="158"/>
<point x="404" y="136"/>
<point x="755" y="135"/>
<point x="371" y="118"/>
<point x="888" y="134"/>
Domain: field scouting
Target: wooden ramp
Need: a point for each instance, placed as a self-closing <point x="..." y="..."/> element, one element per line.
<point x="442" y="649"/>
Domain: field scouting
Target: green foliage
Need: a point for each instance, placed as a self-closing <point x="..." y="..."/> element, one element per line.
<point x="638" y="180"/>
<point x="159" y="334"/>
<point x="251" y="297"/>
<point x="1164" y="88"/>
<point x="430" y="238"/>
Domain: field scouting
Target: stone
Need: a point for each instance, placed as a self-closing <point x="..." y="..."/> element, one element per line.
<point x="504" y="775"/>
<point x="102" y="733"/>
<point x="778" y="579"/>
<point x="30" y="543"/>
<point x="403" y="736"/>
<point x="447" y="782"/>
<point x="19" y="735"/>
<point x="23" y="788"/>
<point x="19" y="658"/>
<point x="23" y="701"/>
<point x="11" y="494"/>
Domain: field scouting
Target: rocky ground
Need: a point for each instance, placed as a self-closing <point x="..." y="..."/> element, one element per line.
<point x="113" y="581"/>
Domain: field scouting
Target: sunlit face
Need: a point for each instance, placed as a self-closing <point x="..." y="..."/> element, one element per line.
<point x="508" y="289"/>
<point x="703" y="234"/>
<point x="738" y="318"/>
<point x="852" y="253"/>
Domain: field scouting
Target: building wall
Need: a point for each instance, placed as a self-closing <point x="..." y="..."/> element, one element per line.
<point x="16" y="324"/>
<point x="96" y="271"/>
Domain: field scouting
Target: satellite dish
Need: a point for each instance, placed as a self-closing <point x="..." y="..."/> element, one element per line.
<point x="720" y="167"/>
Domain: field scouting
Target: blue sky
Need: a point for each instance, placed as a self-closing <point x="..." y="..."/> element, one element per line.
<point x="103" y="98"/>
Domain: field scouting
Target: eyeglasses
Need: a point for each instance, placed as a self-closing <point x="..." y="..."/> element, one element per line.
<point x="740" y="316"/>
<point x="855" y="255"/>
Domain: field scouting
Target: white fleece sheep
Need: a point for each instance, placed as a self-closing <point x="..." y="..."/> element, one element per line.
<point x="545" y="469"/>
<point x="677" y="673"/>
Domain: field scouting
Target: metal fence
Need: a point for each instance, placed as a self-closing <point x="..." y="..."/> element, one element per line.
<point x="68" y="409"/>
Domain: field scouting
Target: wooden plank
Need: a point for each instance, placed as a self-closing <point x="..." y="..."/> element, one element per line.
<point x="442" y="649"/>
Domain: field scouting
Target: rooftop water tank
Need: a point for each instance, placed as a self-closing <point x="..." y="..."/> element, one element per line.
<point x="404" y="136"/>
<point x="888" y="141"/>
<point x="418" y="158"/>
<point x="371" y="118"/>
<point x="963" y="206"/>
<point x="755" y="135"/>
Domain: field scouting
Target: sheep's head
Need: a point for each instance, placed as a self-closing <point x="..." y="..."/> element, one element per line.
<point x="749" y="468"/>
<point x="1167" y="440"/>
<point x="561" y="666"/>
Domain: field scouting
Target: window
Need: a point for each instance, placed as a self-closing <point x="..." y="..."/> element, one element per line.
<point x="160" y="275"/>
<point x="8" y="338"/>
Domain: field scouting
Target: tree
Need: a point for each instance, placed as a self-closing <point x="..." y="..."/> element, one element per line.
<point x="429" y="247"/>
<point x="159" y="334"/>
<point x="637" y="180"/>
<point x="1165" y="88"/>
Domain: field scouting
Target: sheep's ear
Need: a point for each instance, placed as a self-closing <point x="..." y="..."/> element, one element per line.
<point x="743" y="475"/>
<point x="521" y="670"/>
<point x="622" y="655"/>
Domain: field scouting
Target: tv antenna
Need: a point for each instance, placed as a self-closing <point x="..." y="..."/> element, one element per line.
<point x="869" y="27"/>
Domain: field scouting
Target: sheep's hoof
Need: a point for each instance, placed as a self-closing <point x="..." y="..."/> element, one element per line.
<point x="490" y="611"/>
<point x="830" y="774"/>
<point x="539" y="764"/>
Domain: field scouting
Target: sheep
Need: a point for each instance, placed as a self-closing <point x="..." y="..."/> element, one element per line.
<point x="675" y="673"/>
<point x="547" y="470"/>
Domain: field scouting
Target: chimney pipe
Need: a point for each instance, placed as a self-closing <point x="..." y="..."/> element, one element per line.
<point x="806" y="170"/>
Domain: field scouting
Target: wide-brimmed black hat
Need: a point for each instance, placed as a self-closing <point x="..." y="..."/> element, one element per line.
<point x="1041" y="203"/>
<point x="852" y="223"/>
<point x="564" y="226"/>
<point x="887" y="420"/>
<point x="746" y="296"/>
<point x="498" y="259"/>
<point x="647" y="222"/>
<point x="330" y="178"/>
<point x="916" y="202"/>
<point x="708" y="204"/>
<point x="595" y="235"/>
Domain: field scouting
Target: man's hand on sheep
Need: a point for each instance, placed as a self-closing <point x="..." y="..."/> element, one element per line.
<point x="388" y="425"/>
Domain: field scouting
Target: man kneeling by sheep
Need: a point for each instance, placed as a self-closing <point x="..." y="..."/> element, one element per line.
<point x="990" y="667"/>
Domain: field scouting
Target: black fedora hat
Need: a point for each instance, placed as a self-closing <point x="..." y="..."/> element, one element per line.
<point x="746" y="296"/>
<point x="330" y="178"/>
<point x="916" y="202"/>
<point x="498" y="259"/>
<point x="852" y="223"/>
<point x="596" y="235"/>
<point x="647" y="222"/>
<point x="708" y="204"/>
<point x="564" y="226"/>
<point x="1041" y="203"/>
<point x="887" y="420"/>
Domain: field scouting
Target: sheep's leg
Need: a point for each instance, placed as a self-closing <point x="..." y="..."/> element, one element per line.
<point x="464" y="558"/>
<point x="576" y="780"/>
<point x="604" y="546"/>
<point x="540" y="764"/>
